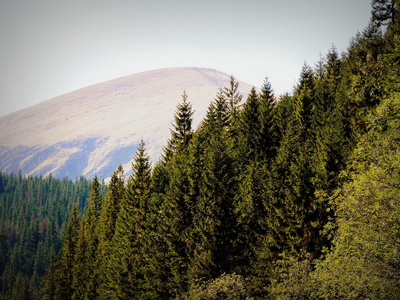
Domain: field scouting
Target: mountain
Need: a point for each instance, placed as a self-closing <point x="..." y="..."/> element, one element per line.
<point x="92" y="130"/>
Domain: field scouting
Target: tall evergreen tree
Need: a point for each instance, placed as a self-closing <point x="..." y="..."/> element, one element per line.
<point x="215" y="221"/>
<point x="232" y="95"/>
<point x="106" y="228"/>
<point x="176" y="221"/>
<point x="67" y="259"/>
<point x="111" y="205"/>
<point x="234" y="99"/>
<point x="251" y="215"/>
<point x="337" y="138"/>
<point x="49" y="281"/>
<point x="268" y="142"/>
<point x="250" y="129"/>
<point x="126" y="274"/>
<point x="86" y="280"/>
<point x="218" y="115"/>
<point x="182" y="129"/>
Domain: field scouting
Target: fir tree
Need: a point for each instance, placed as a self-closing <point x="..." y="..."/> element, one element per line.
<point x="215" y="222"/>
<point x="233" y="96"/>
<point x="111" y="205"/>
<point x="106" y="229"/>
<point x="177" y="219"/>
<point x="268" y="142"/>
<point x="49" y="286"/>
<point x="218" y="115"/>
<point x="95" y="199"/>
<point x="182" y="129"/>
<point x="250" y="129"/>
<point x="126" y="274"/>
<point x="85" y="280"/>
<point x="67" y="259"/>
<point x="251" y="222"/>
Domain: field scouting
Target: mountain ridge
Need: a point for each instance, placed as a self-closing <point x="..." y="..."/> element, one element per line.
<point x="93" y="129"/>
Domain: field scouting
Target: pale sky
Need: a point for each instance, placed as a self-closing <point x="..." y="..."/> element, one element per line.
<point x="52" y="47"/>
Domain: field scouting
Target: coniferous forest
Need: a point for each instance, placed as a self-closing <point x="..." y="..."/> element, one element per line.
<point x="289" y="197"/>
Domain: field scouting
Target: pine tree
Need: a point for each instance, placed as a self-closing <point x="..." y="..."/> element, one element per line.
<point x="218" y="116"/>
<point x="106" y="229"/>
<point x="251" y="215"/>
<point x="336" y="137"/>
<point x="86" y="281"/>
<point x="82" y="266"/>
<point x="177" y="218"/>
<point x="111" y="205"/>
<point x="249" y="129"/>
<point x="67" y="259"/>
<point x="285" y="191"/>
<point x="233" y="96"/>
<point x="182" y="129"/>
<point x="126" y="264"/>
<point x="95" y="199"/>
<point x="268" y="142"/>
<point x="49" y="286"/>
<point x="215" y="221"/>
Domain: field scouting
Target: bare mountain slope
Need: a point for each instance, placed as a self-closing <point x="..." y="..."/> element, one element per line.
<point x="92" y="130"/>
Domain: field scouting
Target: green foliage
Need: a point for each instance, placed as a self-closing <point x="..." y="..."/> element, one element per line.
<point x="368" y="216"/>
<point x="226" y="286"/>
<point x="124" y="266"/>
<point x="267" y="119"/>
<point x="67" y="261"/>
<point x="233" y="96"/>
<point x="182" y="129"/>
<point x="250" y="129"/>
<point x="34" y="212"/>
<point x="85" y="279"/>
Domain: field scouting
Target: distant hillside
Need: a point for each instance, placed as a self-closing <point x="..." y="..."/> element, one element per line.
<point x="92" y="130"/>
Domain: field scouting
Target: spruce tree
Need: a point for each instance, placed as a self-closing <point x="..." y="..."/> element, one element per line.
<point x="268" y="142"/>
<point x="233" y="96"/>
<point x="48" y="291"/>
<point x="106" y="229"/>
<point x="86" y="280"/>
<point x="251" y="224"/>
<point x="177" y="218"/>
<point x="182" y="129"/>
<point x="67" y="259"/>
<point x="336" y="137"/>
<point x="111" y="205"/>
<point x="215" y="226"/>
<point x="284" y="203"/>
<point x="250" y="129"/>
<point x="218" y="115"/>
<point x="82" y="268"/>
<point x="126" y="264"/>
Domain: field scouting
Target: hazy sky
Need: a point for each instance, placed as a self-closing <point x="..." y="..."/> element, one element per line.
<point x="52" y="47"/>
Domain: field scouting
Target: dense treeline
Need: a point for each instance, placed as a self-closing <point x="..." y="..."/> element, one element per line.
<point x="295" y="197"/>
<point x="33" y="214"/>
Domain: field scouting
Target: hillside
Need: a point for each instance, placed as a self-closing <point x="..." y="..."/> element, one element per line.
<point x="92" y="130"/>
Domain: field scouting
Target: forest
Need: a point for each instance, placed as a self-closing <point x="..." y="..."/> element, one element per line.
<point x="294" y="196"/>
